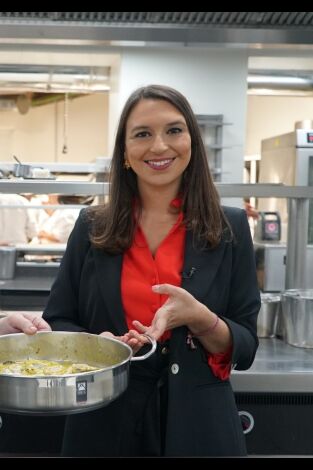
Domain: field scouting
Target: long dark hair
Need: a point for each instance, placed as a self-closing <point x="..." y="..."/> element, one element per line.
<point x="113" y="225"/>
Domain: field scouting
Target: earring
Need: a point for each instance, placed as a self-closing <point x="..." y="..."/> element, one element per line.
<point x="126" y="164"/>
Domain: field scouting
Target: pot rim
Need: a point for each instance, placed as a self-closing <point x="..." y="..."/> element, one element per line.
<point x="268" y="298"/>
<point x="80" y="374"/>
<point x="305" y="294"/>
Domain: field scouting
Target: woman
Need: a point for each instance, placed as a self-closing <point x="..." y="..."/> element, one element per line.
<point x="162" y="258"/>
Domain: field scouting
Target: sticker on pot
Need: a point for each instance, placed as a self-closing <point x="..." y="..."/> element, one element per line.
<point x="81" y="390"/>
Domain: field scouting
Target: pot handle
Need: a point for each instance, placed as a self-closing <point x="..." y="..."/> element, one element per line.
<point x="149" y="353"/>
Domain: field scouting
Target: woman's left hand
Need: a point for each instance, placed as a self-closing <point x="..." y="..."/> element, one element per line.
<point x="179" y="309"/>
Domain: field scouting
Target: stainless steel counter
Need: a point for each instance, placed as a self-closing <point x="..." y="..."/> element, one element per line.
<point x="28" y="283"/>
<point x="30" y="288"/>
<point x="31" y="276"/>
<point x="278" y="367"/>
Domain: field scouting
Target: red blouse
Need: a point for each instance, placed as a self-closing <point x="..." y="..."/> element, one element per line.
<point x="140" y="271"/>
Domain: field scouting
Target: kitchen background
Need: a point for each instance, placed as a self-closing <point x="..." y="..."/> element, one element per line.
<point x="190" y="51"/>
<point x="64" y="77"/>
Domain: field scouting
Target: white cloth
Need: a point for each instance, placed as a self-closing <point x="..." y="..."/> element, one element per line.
<point x="60" y="223"/>
<point x="16" y="224"/>
<point x="39" y="215"/>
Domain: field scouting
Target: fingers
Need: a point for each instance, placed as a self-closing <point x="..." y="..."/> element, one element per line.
<point x="155" y="331"/>
<point x="133" y="334"/>
<point x="108" y="334"/>
<point x="134" y="339"/>
<point x="21" y="323"/>
<point x="39" y="323"/>
<point x="167" y="289"/>
<point x="139" y="326"/>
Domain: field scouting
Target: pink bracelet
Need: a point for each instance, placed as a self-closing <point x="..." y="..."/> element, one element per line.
<point x="208" y="330"/>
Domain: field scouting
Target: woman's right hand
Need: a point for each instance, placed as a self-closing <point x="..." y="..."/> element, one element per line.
<point x="134" y="339"/>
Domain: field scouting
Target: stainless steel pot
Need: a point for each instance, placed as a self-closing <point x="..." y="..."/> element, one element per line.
<point x="22" y="171"/>
<point x="65" y="394"/>
<point x="268" y="315"/>
<point x="297" y="309"/>
<point x="8" y="256"/>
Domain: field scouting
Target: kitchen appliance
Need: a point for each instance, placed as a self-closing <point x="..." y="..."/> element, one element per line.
<point x="288" y="159"/>
<point x="70" y="393"/>
<point x="268" y="226"/>
<point x="275" y="397"/>
<point x="271" y="266"/>
<point x="297" y="309"/>
<point x="278" y="424"/>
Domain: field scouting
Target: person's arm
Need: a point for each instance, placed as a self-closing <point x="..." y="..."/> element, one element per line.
<point x="61" y="311"/>
<point x="60" y="229"/>
<point x="237" y="329"/>
<point x="244" y="297"/>
<point x="25" y="322"/>
<point x="49" y="237"/>
<point x="181" y="308"/>
<point x="31" y="226"/>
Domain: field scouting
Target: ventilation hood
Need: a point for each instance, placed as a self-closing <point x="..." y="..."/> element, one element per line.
<point x="280" y="82"/>
<point x="56" y="79"/>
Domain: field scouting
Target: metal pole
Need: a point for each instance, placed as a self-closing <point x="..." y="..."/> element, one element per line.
<point x="297" y="240"/>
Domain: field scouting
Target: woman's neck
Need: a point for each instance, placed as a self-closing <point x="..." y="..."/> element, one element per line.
<point x="157" y="200"/>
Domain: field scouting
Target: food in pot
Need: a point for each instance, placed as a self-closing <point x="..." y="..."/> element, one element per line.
<point x="31" y="367"/>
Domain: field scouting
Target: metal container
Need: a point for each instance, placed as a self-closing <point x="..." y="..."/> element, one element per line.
<point x="71" y="393"/>
<point x="31" y="172"/>
<point x="7" y="262"/>
<point x="297" y="309"/>
<point x="22" y="171"/>
<point x="268" y="315"/>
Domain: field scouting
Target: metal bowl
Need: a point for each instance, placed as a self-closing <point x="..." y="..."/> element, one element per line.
<point x="297" y="307"/>
<point x="65" y="394"/>
<point x="268" y="315"/>
<point x="22" y="171"/>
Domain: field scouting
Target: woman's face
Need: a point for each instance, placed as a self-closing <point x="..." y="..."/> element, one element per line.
<point x="158" y="143"/>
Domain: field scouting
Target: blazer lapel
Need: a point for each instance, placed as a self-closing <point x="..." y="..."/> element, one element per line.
<point x="109" y="269"/>
<point x="200" y="267"/>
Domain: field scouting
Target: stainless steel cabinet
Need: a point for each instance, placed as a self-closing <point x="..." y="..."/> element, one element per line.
<point x="211" y="127"/>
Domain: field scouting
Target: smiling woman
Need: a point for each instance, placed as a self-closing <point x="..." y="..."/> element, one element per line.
<point x="163" y="257"/>
<point x="158" y="144"/>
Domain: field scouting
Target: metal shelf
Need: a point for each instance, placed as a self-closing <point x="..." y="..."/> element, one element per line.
<point x="53" y="187"/>
<point x="298" y="202"/>
<point x="100" y="166"/>
<point x="264" y="190"/>
<point x="97" y="189"/>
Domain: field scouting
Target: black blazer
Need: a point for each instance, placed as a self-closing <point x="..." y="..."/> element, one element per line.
<point x="202" y="418"/>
